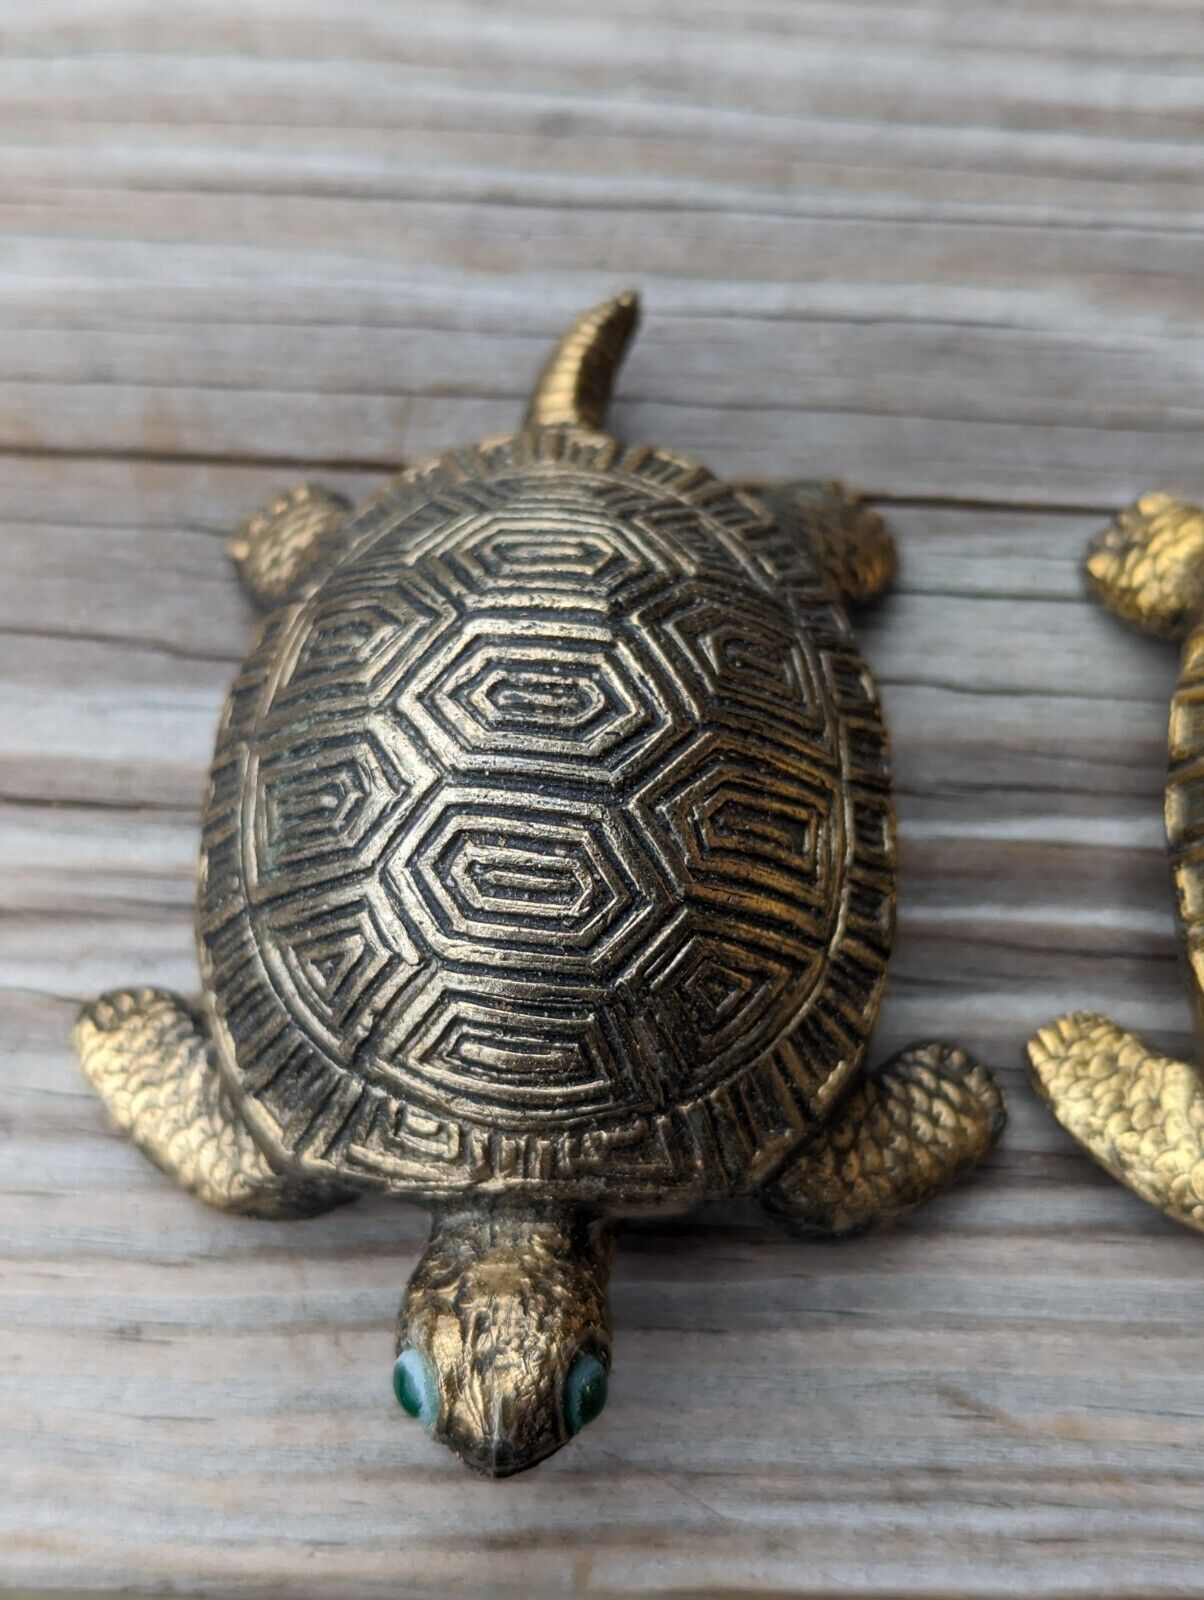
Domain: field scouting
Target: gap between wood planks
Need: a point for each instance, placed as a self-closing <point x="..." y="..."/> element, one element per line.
<point x="201" y="458"/>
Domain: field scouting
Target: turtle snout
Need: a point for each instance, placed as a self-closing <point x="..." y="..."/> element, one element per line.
<point x="497" y="1458"/>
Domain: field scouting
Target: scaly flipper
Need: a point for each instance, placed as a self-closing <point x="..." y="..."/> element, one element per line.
<point x="1148" y="565"/>
<point x="900" y="1137"/>
<point x="1140" y="1114"/>
<point x="852" y="544"/>
<point x="275" y="548"/>
<point x="149" y="1058"/>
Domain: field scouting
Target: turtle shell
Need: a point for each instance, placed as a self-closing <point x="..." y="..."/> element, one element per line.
<point x="549" y="843"/>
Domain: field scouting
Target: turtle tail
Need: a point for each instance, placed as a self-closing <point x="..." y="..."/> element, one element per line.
<point x="577" y="381"/>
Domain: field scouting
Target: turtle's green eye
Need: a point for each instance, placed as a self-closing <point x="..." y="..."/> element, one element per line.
<point x="415" y="1387"/>
<point x="585" y="1392"/>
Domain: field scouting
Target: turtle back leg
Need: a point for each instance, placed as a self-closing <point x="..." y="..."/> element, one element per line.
<point x="275" y="549"/>
<point x="1140" y="1114"/>
<point x="150" y="1058"/>
<point x="900" y="1137"/>
<point x="851" y="543"/>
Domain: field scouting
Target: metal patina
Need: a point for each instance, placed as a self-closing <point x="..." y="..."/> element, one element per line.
<point x="547" y="876"/>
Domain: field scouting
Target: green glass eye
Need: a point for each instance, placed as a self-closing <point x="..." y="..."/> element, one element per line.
<point x="415" y="1387"/>
<point x="585" y="1392"/>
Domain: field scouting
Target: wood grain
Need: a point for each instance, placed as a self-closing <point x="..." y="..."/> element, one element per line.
<point x="949" y="250"/>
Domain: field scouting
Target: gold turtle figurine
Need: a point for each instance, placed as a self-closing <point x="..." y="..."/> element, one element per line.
<point x="547" y="877"/>
<point x="1140" y="1114"/>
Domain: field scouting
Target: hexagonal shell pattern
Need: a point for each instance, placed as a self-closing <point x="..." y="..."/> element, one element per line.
<point x="548" y="842"/>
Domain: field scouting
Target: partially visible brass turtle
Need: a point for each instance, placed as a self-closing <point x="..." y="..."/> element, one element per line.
<point x="548" y="876"/>
<point x="1140" y="1114"/>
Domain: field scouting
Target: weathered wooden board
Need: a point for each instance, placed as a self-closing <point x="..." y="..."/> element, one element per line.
<point x="947" y="249"/>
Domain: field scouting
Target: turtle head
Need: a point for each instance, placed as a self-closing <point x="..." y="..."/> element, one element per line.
<point x="503" y="1342"/>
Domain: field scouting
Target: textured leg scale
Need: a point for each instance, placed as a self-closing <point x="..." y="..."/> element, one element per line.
<point x="901" y="1136"/>
<point x="149" y="1058"/>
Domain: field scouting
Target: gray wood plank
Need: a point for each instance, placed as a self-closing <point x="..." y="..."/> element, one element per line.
<point x="948" y="251"/>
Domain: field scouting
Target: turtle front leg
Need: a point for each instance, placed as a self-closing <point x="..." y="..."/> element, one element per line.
<point x="276" y="548"/>
<point x="149" y="1057"/>
<point x="1138" y="1113"/>
<point x="900" y="1137"/>
<point x="851" y="542"/>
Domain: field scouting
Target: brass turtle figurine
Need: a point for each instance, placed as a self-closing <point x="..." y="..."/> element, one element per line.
<point x="547" y="877"/>
<point x="1140" y="1113"/>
